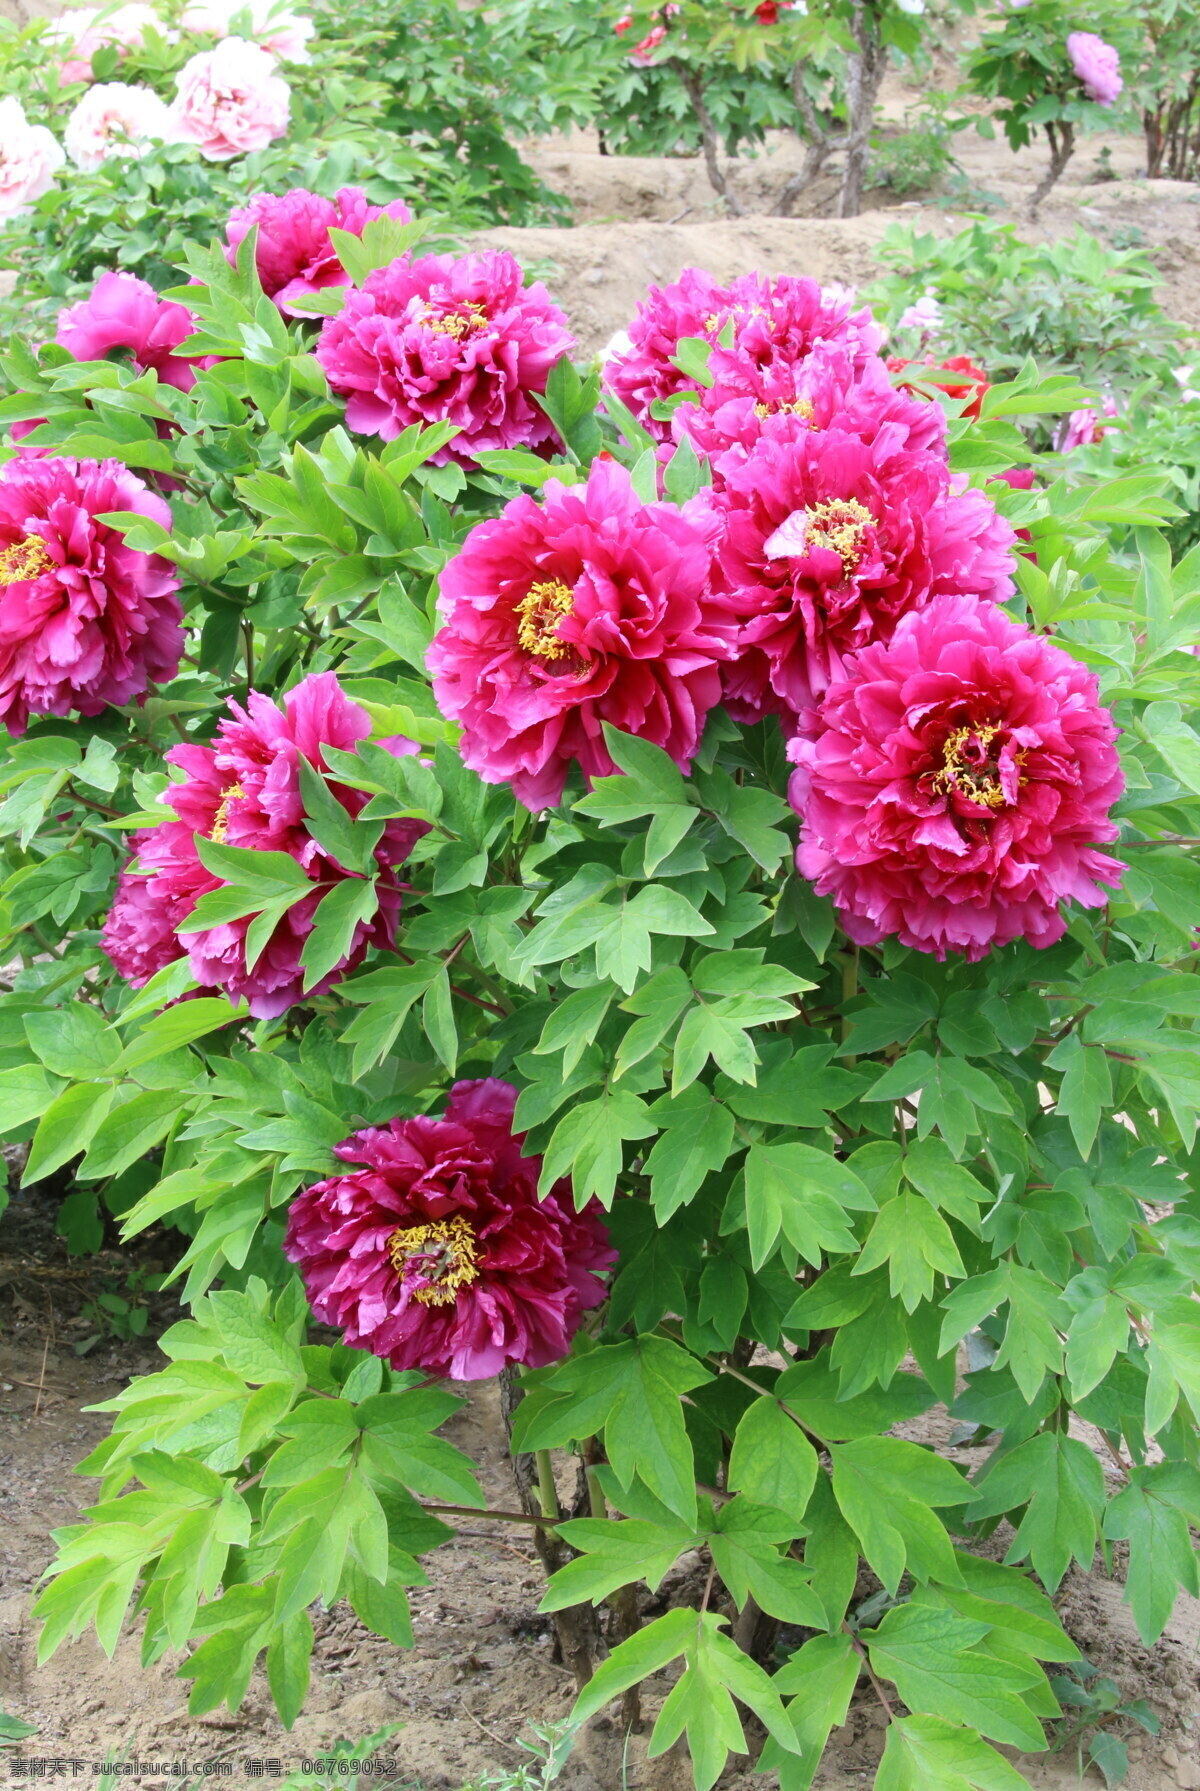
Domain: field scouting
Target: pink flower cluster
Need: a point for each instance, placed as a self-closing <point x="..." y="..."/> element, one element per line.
<point x="433" y="1250"/>
<point x="245" y="791"/>
<point x="293" y="252"/>
<point x="445" y="339"/>
<point x="1097" y="65"/>
<point x="831" y="557"/>
<point x="86" y="621"/>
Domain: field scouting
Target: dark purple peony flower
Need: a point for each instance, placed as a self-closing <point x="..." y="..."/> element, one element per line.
<point x="434" y="1251"/>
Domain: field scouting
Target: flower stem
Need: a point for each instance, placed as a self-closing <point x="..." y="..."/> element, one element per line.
<point x="547" y="1491"/>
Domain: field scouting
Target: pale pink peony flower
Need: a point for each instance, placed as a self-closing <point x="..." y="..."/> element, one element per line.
<point x="925" y="315"/>
<point x="433" y="1250"/>
<point x="80" y="33"/>
<point x="122" y="311"/>
<point x="230" y="101"/>
<point x="448" y="339"/>
<point x="272" y="25"/>
<point x="86" y="622"/>
<point x="245" y="791"/>
<point x="1097" y="65"/>
<point x="829" y="539"/>
<point x="29" y="159"/>
<point x="1083" y="427"/>
<point x="294" y="255"/>
<point x="588" y="607"/>
<point x="953" y="785"/>
<point x="775" y="325"/>
<point x="115" y="119"/>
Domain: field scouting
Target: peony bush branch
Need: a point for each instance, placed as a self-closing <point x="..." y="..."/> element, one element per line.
<point x="674" y="883"/>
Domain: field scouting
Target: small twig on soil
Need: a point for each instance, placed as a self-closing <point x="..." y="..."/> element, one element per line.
<point x="37" y="1404"/>
<point x="490" y="1733"/>
<point x="680" y="215"/>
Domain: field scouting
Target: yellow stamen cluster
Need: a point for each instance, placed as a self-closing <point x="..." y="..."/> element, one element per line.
<point x="24" y="560"/>
<point x="840" y="526"/>
<point x="457" y="323"/>
<point x="443" y="1254"/>
<point x="979" y="782"/>
<point x="220" y="826"/>
<point x="539" y="613"/>
<point x="786" y="407"/>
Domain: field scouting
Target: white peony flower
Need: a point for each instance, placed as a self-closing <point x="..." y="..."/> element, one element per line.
<point x="29" y="159"/>
<point x="115" y="119"/>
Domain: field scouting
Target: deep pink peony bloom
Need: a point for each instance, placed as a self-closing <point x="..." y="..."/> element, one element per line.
<point x="294" y="255"/>
<point x="829" y="390"/>
<point x="229" y="101"/>
<point x="953" y="784"/>
<point x="1097" y="65"/>
<point x="776" y="325"/>
<point x="122" y="311"/>
<point x="448" y="339"/>
<point x="588" y="607"/>
<point x="85" y="621"/>
<point x="245" y="791"/>
<point x="434" y="1251"/>
<point x="828" y="540"/>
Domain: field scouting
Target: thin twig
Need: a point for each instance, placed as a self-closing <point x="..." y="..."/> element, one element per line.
<point x="862" y="1654"/>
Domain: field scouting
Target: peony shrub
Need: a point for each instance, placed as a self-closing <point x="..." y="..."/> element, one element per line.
<point x="673" y="883"/>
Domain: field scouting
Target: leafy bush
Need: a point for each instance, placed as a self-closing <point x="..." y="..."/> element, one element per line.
<point x="375" y="131"/>
<point x="1076" y="305"/>
<point x="1025" y="65"/>
<point x="822" y="1164"/>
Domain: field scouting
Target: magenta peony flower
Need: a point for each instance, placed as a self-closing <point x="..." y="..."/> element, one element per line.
<point x="776" y="325"/>
<point x="586" y="608"/>
<point x="114" y="119"/>
<point x="1097" y="65"/>
<point x="434" y="1250"/>
<point x="230" y="100"/>
<point x="85" y="621"/>
<point x="29" y="159"/>
<point x="245" y="791"/>
<point x="448" y="339"/>
<point x="123" y="312"/>
<point x="829" y="539"/>
<point x="294" y="255"/>
<point x="829" y="390"/>
<point x="952" y="785"/>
